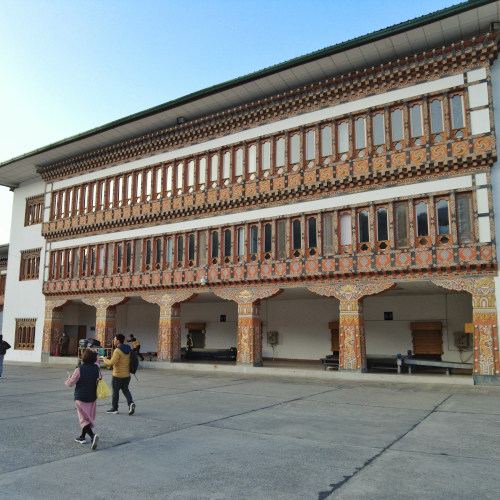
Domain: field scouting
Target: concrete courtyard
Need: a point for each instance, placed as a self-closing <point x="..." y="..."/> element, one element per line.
<point x="211" y="435"/>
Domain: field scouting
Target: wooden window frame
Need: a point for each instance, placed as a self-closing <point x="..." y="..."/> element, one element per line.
<point x="25" y="334"/>
<point x="311" y="251"/>
<point x="34" y="210"/>
<point x="425" y="240"/>
<point x="253" y="256"/>
<point x="443" y="238"/>
<point x="29" y="268"/>
<point x="458" y="133"/>
<point x="378" y="149"/>
<point x="363" y="246"/>
<point x="296" y="253"/>
<point x="380" y="244"/>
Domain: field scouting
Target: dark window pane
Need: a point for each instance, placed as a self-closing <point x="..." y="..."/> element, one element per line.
<point x="443" y="217"/>
<point x="382" y="231"/>
<point x="311" y="233"/>
<point x="363" y="227"/>
<point x="268" y="238"/>
<point x="296" y="235"/>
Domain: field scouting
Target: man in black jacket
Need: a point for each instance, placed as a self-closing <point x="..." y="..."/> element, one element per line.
<point x="3" y="349"/>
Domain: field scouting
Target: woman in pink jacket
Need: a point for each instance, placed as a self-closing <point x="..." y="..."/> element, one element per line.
<point x="84" y="379"/>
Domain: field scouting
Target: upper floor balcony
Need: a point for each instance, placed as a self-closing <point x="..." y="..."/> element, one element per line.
<point x="417" y="138"/>
<point x="427" y="235"/>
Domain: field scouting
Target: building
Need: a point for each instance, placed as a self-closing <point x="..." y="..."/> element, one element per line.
<point x="4" y="252"/>
<point x="341" y="201"/>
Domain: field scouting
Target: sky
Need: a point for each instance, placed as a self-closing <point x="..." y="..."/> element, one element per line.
<point x="69" y="66"/>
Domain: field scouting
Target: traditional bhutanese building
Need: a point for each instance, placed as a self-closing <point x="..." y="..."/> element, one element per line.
<point x="342" y="201"/>
<point x="4" y="252"/>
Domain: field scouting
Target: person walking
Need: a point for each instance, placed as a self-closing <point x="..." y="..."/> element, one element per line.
<point x="136" y="346"/>
<point x="120" y="362"/>
<point x="4" y="346"/>
<point x="84" y="379"/>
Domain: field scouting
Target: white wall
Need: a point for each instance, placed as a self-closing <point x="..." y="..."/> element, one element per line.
<point x="24" y="299"/>
<point x="218" y="334"/>
<point x="142" y="320"/>
<point x="393" y="337"/>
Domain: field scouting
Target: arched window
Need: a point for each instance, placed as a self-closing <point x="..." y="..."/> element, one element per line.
<point x="416" y="121"/>
<point x="214" y="254"/>
<point x="326" y="141"/>
<point x="378" y="129"/>
<point x="296" y="236"/>
<point x="147" y="262"/>
<point x="252" y="159"/>
<point x="170" y="251"/>
<point x="227" y="243"/>
<point x="360" y="132"/>
<point x="422" y="215"/>
<point x="253" y="241"/>
<point x="268" y="245"/>
<point x="363" y="227"/>
<point x="342" y="138"/>
<point x="128" y="256"/>
<point x="312" y="241"/>
<point x="436" y="110"/>
<point x="202" y="173"/>
<point x="280" y="152"/>
<point x="180" y="251"/>
<point x="180" y="176"/>
<point x="214" y="168"/>
<point x="345" y="233"/>
<point x="238" y="168"/>
<point x="158" y="253"/>
<point x="191" y="249"/>
<point x="266" y="156"/>
<point x="310" y="145"/>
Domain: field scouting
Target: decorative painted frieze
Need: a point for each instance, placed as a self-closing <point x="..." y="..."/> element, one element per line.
<point x="388" y="169"/>
<point x="398" y="264"/>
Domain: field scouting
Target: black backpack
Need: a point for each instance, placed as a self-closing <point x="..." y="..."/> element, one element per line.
<point x="134" y="362"/>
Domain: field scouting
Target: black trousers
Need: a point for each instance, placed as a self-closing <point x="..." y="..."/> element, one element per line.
<point x="120" y="384"/>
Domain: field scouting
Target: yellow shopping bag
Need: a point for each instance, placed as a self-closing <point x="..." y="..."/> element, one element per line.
<point x="103" y="390"/>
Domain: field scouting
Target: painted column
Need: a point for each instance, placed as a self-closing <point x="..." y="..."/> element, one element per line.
<point x="53" y="324"/>
<point x="169" y="331"/>
<point x="484" y="318"/>
<point x="352" y="337"/>
<point x="105" y="325"/>
<point x="249" y="321"/>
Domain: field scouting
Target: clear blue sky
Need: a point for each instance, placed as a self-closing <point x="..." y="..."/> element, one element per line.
<point x="71" y="65"/>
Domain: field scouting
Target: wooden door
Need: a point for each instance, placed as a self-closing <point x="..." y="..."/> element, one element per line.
<point x="427" y="338"/>
<point x="334" y="337"/>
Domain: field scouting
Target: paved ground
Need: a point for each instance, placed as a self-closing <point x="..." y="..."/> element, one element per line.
<point x="208" y="435"/>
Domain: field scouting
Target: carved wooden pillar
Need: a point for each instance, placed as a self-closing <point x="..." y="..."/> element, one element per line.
<point x="352" y="339"/>
<point x="53" y="324"/>
<point x="249" y="322"/>
<point x="105" y="325"/>
<point x="484" y="318"/>
<point x="169" y="330"/>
